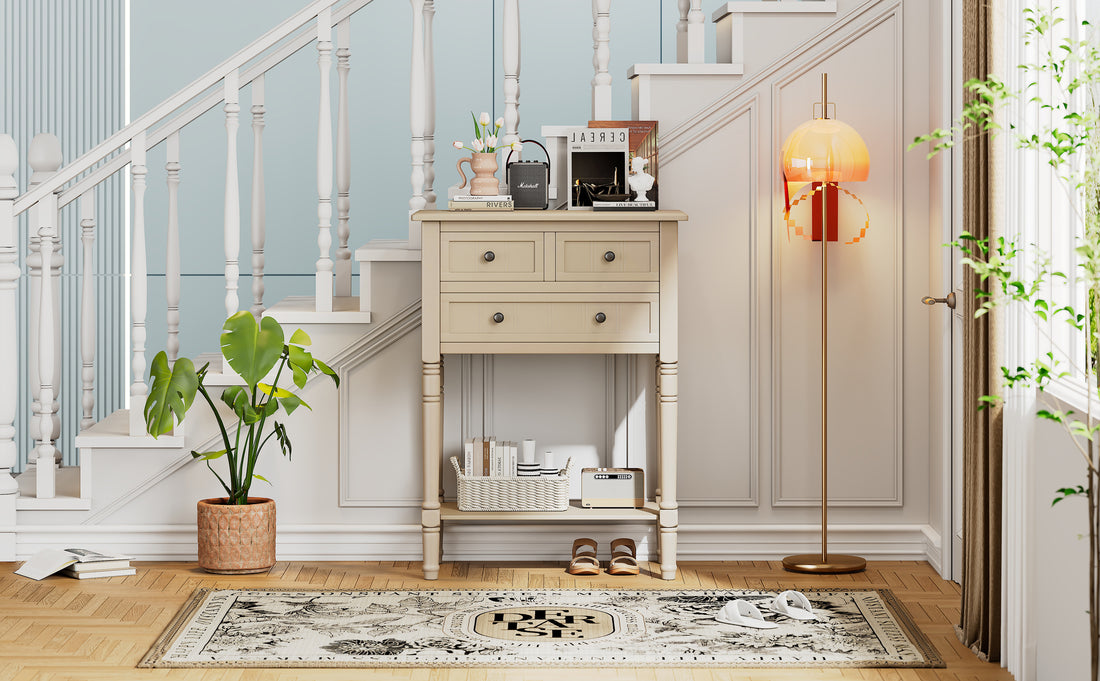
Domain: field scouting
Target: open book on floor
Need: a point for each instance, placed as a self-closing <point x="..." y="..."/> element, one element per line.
<point x="78" y="563"/>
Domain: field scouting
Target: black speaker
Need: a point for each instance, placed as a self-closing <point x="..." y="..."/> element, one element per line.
<point x="529" y="181"/>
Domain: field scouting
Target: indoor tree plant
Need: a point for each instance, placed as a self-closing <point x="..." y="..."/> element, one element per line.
<point x="236" y="533"/>
<point x="1064" y="85"/>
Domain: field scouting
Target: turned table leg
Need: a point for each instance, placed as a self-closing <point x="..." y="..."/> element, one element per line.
<point x="432" y="406"/>
<point x="666" y="416"/>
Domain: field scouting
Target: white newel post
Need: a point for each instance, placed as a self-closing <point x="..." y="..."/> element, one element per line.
<point x="695" y="37"/>
<point x="172" y="254"/>
<point x="681" y="31"/>
<point x="9" y="361"/>
<point x="601" y="60"/>
<point x="510" y="55"/>
<point x="44" y="158"/>
<point x="324" y="164"/>
<point x="46" y="451"/>
<point x="343" y="160"/>
<point x="429" y="107"/>
<point x="259" y="210"/>
<point x="87" y="310"/>
<point x="417" y="119"/>
<point x="232" y="224"/>
<point x="139" y="286"/>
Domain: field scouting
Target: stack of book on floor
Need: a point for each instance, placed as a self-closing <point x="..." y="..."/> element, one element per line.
<point x="466" y="202"/>
<point x="76" y="563"/>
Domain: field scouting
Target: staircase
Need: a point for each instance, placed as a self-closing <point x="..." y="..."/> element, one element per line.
<point x="119" y="465"/>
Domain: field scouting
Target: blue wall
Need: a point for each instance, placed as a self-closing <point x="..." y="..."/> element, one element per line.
<point x="174" y="43"/>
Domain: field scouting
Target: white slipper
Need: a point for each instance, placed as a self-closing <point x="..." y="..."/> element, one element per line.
<point x="793" y="604"/>
<point x="744" y="614"/>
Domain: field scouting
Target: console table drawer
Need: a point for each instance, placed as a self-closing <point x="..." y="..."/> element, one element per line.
<point x="548" y="318"/>
<point x="608" y="256"/>
<point x="491" y="256"/>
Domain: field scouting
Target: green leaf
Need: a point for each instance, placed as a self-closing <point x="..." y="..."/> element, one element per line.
<point x="300" y="377"/>
<point x="293" y="402"/>
<point x="171" y="393"/>
<point x="283" y="438"/>
<point x="238" y="400"/>
<point x="477" y="127"/>
<point x="273" y="391"/>
<point x="300" y="358"/>
<point x="300" y="337"/>
<point x="260" y="477"/>
<point x="327" y="371"/>
<point x="208" y="456"/>
<point x="252" y="350"/>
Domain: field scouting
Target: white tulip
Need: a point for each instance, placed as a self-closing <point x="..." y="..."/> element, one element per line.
<point x="500" y="122"/>
<point x="517" y="146"/>
<point x="491" y="141"/>
<point x="484" y="118"/>
<point x="478" y="145"/>
<point x="459" y="145"/>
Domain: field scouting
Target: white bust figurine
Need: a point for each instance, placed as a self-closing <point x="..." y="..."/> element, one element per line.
<point x="640" y="181"/>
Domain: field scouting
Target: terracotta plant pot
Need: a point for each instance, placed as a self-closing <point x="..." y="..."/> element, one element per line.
<point x="236" y="539"/>
<point x="485" y="168"/>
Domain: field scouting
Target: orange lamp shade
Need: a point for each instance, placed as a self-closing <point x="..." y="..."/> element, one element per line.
<point x="825" y="150"/>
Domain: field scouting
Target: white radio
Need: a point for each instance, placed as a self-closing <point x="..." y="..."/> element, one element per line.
<point x="612" y="487"/>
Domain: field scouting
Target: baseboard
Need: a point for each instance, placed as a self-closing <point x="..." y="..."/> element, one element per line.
<point x="512" y="542"/>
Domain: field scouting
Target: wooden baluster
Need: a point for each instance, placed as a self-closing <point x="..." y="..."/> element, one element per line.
<point x="139" y="286"/>
<point x="9" y="338"/>
<point x="232" y="224"/>
<point x="324" y="165"/>
<point x="601" y="59"/>
<point x="417" y="118"/>
<point x="46" y="451"/>
<point x="343" y="160"/>
<point x="510" y="53"/>
<point x="44" y="158"/>
<point x="682" y="31"/>
<point x="259" y="209"/>
<point x="429" y="107"/>
<point x="172" y="255"/>
<point x="695" y="37"/>
<point x="87" y="311"/>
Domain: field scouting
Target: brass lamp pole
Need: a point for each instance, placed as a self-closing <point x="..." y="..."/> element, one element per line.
<point x="825" y="562"/>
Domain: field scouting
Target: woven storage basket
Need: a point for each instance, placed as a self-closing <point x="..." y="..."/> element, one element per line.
<point x="484" y="493"/>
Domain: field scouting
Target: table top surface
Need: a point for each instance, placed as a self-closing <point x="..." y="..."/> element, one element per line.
<point x="550" y="216"/>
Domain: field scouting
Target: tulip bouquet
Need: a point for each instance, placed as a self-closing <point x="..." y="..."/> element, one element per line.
<point x="485" y="136"/>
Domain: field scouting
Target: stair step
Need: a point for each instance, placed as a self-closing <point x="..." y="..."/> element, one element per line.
<point x="685" y="70"/>
<point x="775" y="7"/>
<point x="387" y="250"/>
<point x="68" y="487"/>
<point x="303" y="310"/>
<point x="113" y="432"/>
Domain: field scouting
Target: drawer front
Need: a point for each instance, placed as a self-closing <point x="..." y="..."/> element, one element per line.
<point x="548" y="318"/>
<point x="491" y="256"/>
<point x="607" y="256"/>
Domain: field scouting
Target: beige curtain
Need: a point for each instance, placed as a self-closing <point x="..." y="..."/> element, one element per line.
<point x="980" y="624"/>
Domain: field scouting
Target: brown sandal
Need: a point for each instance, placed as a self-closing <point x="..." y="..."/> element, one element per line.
<point x="584" y="562"/>
<point x="624" y="557"/>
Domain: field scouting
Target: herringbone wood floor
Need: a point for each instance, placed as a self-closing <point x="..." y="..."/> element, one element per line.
<point x="63" y="629"/>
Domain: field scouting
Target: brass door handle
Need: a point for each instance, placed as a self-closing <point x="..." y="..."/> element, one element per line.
<point x="949" y="300"/>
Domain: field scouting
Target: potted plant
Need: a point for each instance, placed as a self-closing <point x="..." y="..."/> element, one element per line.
<point x="236" y="533"/>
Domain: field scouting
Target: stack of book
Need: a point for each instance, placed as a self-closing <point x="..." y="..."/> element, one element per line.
<point x="76" y="563"/>
<point x="624" y="205"/>
<point x="487" y="456"/>
<point x="496" y="202"/>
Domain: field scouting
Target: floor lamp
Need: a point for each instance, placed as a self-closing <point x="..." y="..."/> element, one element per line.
<point x="825" y="151"/>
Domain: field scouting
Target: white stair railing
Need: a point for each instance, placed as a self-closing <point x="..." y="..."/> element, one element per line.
<point x="601" y="59"/>
<point x="324" y="164"/>
<point x="172" y="249"/>
<point x="510" y="52"/>
<point x="9" y="338"/>
<point x="139" y="285"/>
<point x="232" y="219"/>
<point x="87" y="312"/>
<point x="259" y="197"/>
<point x="343" y="160"/>
<point x="429" y="107"/>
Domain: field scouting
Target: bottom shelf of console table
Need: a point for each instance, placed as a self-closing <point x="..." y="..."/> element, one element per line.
<point x="449" y="511"/>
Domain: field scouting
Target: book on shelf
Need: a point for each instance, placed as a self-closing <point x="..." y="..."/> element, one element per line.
<point x="642" y="142"/>
<point x="513" y="458"/>
<point x="468" y="457"/>
<point x="50" y="561"/>
<point x="97" y="574"/>
<point x="480" y="205"/>
<point x="494" y="197"/>
<point x="624" y="205"/>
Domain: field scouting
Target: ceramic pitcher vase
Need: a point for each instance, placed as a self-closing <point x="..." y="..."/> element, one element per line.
<point x="484" y="167"/>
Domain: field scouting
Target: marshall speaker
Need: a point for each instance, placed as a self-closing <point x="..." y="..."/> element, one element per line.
<point x="529" y="181"/>
<point x="612" y="487"/>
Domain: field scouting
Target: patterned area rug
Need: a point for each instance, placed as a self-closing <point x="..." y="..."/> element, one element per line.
<point x="650" y="628"/>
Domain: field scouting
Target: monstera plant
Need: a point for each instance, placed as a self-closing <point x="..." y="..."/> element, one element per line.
<point x="237" y="532"/>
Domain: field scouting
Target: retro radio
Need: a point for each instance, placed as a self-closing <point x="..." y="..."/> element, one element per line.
<point x="529" y="181"/>
<point x="612" y="487"/>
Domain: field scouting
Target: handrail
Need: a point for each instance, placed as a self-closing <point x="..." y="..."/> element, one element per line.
<point x="197" y="87"/>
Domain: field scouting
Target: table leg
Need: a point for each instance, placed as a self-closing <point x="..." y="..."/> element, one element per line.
<point x="667" y="392"/>
<point x="432" y="406"/>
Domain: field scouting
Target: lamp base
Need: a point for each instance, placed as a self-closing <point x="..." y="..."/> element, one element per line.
<point x="832" y="564"/>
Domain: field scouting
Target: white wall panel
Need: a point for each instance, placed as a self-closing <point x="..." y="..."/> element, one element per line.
<point x="64" y="73"/>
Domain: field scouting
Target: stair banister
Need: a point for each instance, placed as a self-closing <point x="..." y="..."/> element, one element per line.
<point x="510" y="52"/>
<point x="429" y="107"/>
<point x="9" y="339"/>
<point x="139" y="291"/>
<point x="172" y="251"/>
<point x="324" y="288"/>
<point x="259" y="204"/>
<point x="44" y="221"/>
<point x="197" y="88"/>
<point x="690" y="46"/>
<point x="232" y="220"/>
<point x="202" y="105"/>
<point x="87" y="311"/>
<point x="342" y="266"/>
<point x="601" y="60"/>
<point x="417" y="118"/>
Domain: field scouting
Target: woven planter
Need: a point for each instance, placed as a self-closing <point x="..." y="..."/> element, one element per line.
<point x="236" y="539"/>
<point x="486" y="493"/>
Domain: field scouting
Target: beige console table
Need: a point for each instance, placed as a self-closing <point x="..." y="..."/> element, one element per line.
<point x="549" y="282"/>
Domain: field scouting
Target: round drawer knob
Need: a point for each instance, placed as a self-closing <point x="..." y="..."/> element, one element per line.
<point x="600" y="318"/>
<point x="498" y="317"/>
<point x="609" y="256"/>
<point x="489" y="256"/>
